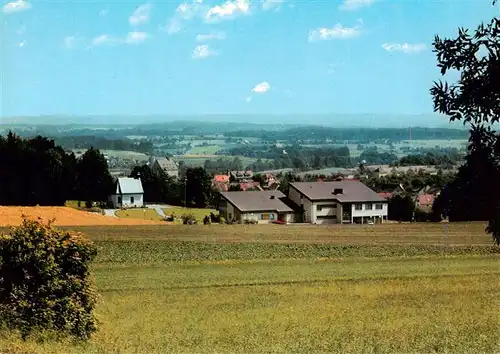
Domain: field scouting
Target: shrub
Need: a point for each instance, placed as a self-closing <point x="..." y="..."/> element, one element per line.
<point x="188" y="219"/>
<point x="95" y="210"/>
<point x="251" y="221"/>
<point x="222" y="220"/>
<point x="45" y="281"/>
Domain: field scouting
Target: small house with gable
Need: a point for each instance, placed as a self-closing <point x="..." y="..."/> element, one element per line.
<point x="128" y="193"/>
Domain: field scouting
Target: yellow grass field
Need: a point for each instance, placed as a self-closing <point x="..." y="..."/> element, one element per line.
<point x="64" y="216"/>
<point x="395" y="288"/>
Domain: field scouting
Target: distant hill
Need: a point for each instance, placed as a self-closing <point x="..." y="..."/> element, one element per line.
<point x="333" y="120"/>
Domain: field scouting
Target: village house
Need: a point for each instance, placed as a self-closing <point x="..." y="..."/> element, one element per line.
<point x="223" y="183"/>
<point x="347" y="201"/>
<point x="128" y="193"/>
<point x="424" y="202"/>
<point x="167" y="165"/>
<point x="258" y="206"/>
<point x="240" y="176"/>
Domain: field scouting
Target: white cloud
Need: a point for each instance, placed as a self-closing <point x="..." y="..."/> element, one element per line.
<point x="69" y="42"/>
<point x="229" y="9"/>
<point x="248" y="99"/>
<point x="352" y="5"/>
<point x="16" y="6"/>
<point x="140" y="15"/>
<point x="263" y="87"/>
<point x="104" y="39"/>
<point x="336" y="32"/>
<point x="184" y="12"/>
<point x="210" y="36"/>
<point x="22" y="44"/>
<point x="131" y="38"/>
<point x="203" y="51"/>
<point x="188" y="10"/>
<point x="406" y="48"/>
<point x="173" y="26"/>
<point x="271" y="4"/>
<point x="136" y="37"/>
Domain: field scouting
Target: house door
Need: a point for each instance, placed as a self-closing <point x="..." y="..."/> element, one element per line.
<point x="281" y="217"/>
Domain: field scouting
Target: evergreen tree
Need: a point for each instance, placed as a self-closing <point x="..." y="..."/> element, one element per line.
<point x="94" y="181"/>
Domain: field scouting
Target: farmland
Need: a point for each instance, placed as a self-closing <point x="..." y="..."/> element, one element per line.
<point x="267" y="288"/>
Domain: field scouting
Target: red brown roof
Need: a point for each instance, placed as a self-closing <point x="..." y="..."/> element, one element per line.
<point x="221" y="179"/>
<point x="386" y="195"/>
<point x="426" y="199"/>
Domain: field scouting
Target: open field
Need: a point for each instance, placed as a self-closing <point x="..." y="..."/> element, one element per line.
<point x="198" y="213"/>
<point x="394" y="288"/>
<point x="204" y="150"/>
<point x="452" y="143"/>
<point x="197" y="160"/>
<point x="121" y="154"/>
<point x="392" y="234"/>
<point x="142" y="214"/>
<point x="150" y="214"/>
<point x="64" y="216"/>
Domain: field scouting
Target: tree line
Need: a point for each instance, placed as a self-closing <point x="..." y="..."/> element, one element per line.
<point x="362" y="135"/>
<point x="431" y="159"/>
<point x="39" y="172"/>
<point x="297" y="157"/>
<point x="101" y="143"/>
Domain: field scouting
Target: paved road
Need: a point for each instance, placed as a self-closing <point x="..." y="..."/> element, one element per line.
<point x="110" y="212"/>
<point x="158" y="208"/>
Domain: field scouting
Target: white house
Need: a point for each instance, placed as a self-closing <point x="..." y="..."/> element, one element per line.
<point x="128" y="193"/>
<point x="261" y="206"/>
<point x="347" y="201"/>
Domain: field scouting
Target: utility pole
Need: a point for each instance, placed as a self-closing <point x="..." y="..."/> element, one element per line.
<point x="185" y="192"/>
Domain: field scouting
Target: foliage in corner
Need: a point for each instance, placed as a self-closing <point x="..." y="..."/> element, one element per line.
<point x="475" y="100"/>
<point x="45" y="281"/>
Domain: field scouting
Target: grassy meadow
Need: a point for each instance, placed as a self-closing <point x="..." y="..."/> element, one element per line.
<point x="143" y="213"/>
<point x="151" y="214"/>
<point x="394" y="288"/>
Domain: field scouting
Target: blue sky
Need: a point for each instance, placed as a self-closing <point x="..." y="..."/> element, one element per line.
<point x="216" y="56"/>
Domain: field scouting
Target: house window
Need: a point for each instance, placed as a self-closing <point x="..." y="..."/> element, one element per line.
<point x="119" y="200"/>
<point x="358" y="206"/>
<point x="264" y="216"/>
<point x="271" y="216"/>
<point x="132" y="200"/>
<point x="230" y="217"/>
<point x="378" y="206"/>
<point x="368" y="206"/>
<point x="321" y="207"/>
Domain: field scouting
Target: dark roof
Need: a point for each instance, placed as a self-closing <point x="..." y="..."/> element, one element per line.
<point x="167" y="164"/>
<point x="352" y="191"/>
<point x="258" y="201"/>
